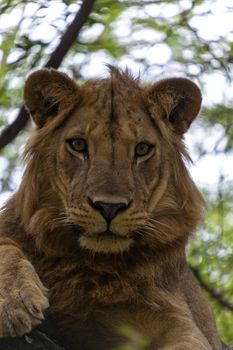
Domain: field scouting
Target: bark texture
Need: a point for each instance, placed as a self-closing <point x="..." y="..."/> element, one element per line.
<point x="33" y="341"/>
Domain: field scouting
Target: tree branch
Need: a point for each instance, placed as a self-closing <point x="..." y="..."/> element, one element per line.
<point x="71" y="34"/>
<point x="33" y="341"/>
<point x="55" y="60"/>
<point x="211" y="291"/>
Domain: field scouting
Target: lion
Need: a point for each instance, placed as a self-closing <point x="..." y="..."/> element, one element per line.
<point x="94" y="239"/>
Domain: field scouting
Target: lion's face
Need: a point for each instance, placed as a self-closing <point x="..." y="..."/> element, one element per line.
<point x="111" y="162"/>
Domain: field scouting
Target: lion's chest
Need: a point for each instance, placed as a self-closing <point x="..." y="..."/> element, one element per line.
<point x="89" y="305"/>
<point x="100" y="327"/>
<point x="73" y="286"/>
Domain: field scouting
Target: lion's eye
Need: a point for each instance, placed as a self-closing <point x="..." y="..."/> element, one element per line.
<point x="78" y="144"/>
<point x="142" y="149"/>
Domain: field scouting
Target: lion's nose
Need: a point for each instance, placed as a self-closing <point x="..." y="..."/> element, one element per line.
<point x="108" y="210"/>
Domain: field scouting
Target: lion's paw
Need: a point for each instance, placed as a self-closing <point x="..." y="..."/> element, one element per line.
<point x="21" y="311"/>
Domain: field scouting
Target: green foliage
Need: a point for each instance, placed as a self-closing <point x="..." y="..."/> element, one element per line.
<point x="159" y="38"/>
<point x="221" y="115"/>
<point x="211" y="253"/>
<point x="133" y="341"/>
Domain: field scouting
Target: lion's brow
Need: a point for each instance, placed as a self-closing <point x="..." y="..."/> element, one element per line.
<point x="112" y="93"/>
<point x="91" y="126"/>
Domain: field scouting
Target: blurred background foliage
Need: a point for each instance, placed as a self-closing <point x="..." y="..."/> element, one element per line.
<point x="191" y="38"/>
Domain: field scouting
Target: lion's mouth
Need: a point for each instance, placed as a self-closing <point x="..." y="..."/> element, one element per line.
<point x="78" y="231"/>
<point x="75" y="230"/>
<point x="110" y="234"/>
<point x="102" y="242"/>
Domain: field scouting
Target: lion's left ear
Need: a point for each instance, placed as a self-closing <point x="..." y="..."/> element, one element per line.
<point x="47" y="92"/>
<point x="178" y="99"/>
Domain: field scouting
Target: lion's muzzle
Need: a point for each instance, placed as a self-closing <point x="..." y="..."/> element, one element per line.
<point x="108" y="210"/>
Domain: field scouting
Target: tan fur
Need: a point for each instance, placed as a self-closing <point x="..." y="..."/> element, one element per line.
<point x="98" y="282"/>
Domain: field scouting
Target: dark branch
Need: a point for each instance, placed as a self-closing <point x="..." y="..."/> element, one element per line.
<point x="33" y="341"/>
<point x="55" y="60"/>
<point x="13" y="129"/>
<point x="71" y="34"/>
<point x="211" y="291"/>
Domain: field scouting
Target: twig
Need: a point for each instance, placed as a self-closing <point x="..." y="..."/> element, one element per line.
<point x="211" y="291"/>
<point x="55" y="60"/>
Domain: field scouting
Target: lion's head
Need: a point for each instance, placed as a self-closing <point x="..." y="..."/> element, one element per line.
<point x="106" y="165"/>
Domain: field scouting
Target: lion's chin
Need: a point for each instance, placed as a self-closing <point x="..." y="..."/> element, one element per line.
<point x="111" y="244"/>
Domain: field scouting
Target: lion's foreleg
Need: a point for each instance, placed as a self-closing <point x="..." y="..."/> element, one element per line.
<point x="22" y="295"/>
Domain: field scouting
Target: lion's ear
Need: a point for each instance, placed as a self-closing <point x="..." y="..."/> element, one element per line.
<point x="47" y="92"/>
<point x="176" y="99"/>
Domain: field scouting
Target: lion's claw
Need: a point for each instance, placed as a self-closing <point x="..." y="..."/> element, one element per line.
<point x="21" y="311"/>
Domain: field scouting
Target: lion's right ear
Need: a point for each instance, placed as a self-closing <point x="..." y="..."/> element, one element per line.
<point x="47" y="92"/>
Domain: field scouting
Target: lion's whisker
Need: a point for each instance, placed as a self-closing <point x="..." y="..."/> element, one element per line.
<point x="152" y="220"/>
